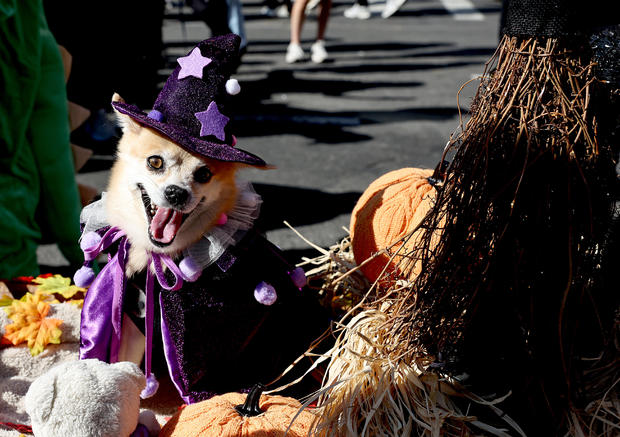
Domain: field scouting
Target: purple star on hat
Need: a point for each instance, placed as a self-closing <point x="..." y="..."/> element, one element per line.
<point x="192" y="64"/>
<point x="213" y="122"/>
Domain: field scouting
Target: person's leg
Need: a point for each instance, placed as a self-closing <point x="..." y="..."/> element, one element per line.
<point x="298" y="17"/>
<point x="326" y="6"/>
<point x="294" y="52"/>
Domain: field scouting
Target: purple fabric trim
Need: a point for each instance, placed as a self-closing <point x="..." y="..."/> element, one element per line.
<point x="148" y="328"/>
<point x="111" y="235"/>
<point x="226" y="261"/>
<point x="100" y="327"/>
<point x="156" y="260"/>
<point x="171" y="356"/>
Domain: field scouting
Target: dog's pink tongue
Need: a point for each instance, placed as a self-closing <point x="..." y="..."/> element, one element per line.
<point x="165" y="224"/>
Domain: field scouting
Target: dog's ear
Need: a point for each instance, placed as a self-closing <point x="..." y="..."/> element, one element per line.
<point x="125" y="121"/>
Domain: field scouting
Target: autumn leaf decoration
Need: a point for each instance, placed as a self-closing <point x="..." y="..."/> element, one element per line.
<point x="31" y="324"/>
<point x="58" y="285"/>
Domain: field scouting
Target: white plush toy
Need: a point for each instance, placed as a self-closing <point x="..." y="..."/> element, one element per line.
<point x="88" y="398"/>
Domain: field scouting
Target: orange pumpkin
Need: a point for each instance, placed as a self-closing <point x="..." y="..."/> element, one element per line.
<point x="390" y="208"/>
<point x="238" y="415"/>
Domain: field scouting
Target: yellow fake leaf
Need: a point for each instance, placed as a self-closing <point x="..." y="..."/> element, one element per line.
<point x="49" y="298"/>
<point x="57" y="284"/>
<point x="31" y="324"/>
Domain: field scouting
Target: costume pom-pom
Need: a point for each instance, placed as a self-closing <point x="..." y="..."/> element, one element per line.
<point x="84" y="276"/>
<point x="298" y="276"/>
<point x="191" y="271"/>
<point x="222" y="220"/>
<point x="232" y="87"/>
<point x="151" y="387"/>
<point x="89" y="240"/>
<point x="265" y="293"/>
<point x="156" y="115"/>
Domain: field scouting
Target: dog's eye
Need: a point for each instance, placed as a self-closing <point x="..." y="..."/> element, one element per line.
<point x="155" y="162"/>
<point x="202" y="175"/>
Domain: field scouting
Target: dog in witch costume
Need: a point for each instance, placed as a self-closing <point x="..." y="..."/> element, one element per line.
<point x="187" y="271"/>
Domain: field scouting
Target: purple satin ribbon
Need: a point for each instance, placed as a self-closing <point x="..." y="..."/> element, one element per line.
<point x="102" y="313"/>
<point x="100" y="326"/>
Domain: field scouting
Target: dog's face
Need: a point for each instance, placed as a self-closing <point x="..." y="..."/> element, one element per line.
<point x="162" y="196"/>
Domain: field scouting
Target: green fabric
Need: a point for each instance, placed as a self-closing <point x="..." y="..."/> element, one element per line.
<point x="38" y="193"/>
<point x="7" y="8"/>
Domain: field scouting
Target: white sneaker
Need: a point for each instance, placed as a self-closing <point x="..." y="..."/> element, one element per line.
<point x="357" y="11"/>
<point x="294" y="53"/>
<point x="282" y="11"/>
<point x="391" y="7"/>
<point x="319" y="54"/>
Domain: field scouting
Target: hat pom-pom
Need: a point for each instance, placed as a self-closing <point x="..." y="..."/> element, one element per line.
<point x="89" y="240"/>
<point x="151" y="387"/>
<point x="156" y="115"/>
<point x="298" y="276"/>
<point x="265" y="293"/>
<point x="84" y="276"/>
<point x="232" y="87"/>
<point x="190" y="269"/>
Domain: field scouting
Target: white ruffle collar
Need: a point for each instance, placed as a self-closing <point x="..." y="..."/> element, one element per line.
<point x="213" y="243"/>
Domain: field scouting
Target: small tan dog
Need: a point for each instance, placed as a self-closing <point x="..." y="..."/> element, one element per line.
<point x="188" y="276"/>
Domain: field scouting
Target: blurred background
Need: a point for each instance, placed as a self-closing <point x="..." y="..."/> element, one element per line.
<point x="387" y="97"/>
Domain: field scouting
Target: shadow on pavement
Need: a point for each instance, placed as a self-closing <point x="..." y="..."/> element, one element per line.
<point x="298" y="206"/>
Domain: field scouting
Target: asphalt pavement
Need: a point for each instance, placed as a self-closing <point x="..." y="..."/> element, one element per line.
<point x="385" y="99"/>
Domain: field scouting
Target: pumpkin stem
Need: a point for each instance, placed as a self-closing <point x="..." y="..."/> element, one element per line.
<point x="250" y="407"/>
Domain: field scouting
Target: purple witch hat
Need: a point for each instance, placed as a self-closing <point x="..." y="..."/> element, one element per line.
<point x="189" y="108"/>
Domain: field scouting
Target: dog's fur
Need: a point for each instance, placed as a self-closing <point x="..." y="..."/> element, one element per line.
<point x="131" y="177"/>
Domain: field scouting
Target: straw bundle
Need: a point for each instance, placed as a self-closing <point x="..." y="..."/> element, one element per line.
<point x="336" y="278"/>
<point x="370" y="392"/>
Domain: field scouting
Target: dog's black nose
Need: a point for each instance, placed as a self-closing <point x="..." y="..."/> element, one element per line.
<point x="177" y="196"/>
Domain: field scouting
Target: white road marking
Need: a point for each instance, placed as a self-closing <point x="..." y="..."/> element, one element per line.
<point x="462" y="10"/>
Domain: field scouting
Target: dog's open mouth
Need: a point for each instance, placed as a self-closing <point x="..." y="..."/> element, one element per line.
<point x="164" y="223"/>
